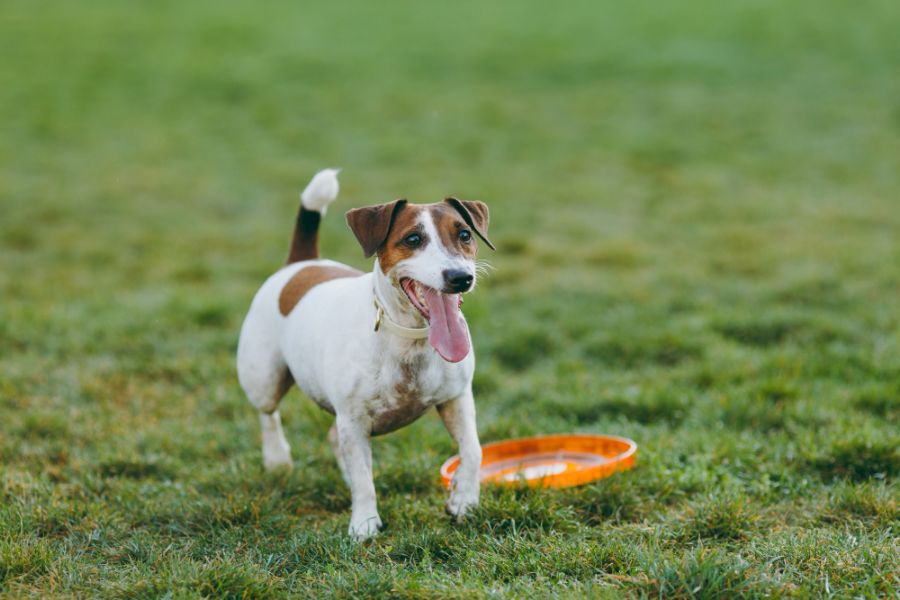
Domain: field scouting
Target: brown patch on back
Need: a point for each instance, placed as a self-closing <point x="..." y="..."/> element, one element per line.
<point x="306" y="279"/>
<point x="448" y="223"/>
<point x="394" y="250"/>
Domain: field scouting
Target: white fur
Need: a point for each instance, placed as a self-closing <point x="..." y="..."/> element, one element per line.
<point x="329" y="345"/>
<point x="276" y="450"/>
<point x="321" y="190"/>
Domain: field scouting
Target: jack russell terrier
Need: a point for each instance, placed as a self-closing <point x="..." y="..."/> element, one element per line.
<point x="375" y="349"/>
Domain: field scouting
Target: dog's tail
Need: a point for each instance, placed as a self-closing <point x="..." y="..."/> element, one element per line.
<point x="314" y="200"/>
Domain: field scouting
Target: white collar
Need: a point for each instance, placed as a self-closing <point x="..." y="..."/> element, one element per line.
<point x="384" y="321"/>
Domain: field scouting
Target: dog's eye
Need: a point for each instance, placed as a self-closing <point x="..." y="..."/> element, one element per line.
<point x="413" y="240"/>
<point x="465" y="236"/>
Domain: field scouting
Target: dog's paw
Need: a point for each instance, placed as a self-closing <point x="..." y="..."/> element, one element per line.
<point x="461" y="503"/>
<point x="364" y="528"/>
<point x="277" y="457"/>
<point x="278" y="466"/>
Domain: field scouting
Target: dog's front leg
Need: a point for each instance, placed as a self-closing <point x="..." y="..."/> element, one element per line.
<point x="356" y="455"/>
<point x="459" y="418"/>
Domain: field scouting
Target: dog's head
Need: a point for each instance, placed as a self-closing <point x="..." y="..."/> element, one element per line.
<point x="428" y="252"/>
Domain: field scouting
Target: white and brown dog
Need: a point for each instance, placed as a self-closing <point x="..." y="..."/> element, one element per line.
<point x="375" y="349"/>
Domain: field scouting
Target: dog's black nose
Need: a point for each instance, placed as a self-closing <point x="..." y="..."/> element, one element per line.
<point x="456" y="281"/>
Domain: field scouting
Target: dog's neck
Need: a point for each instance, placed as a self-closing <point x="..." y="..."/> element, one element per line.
<point x="394" y="301"/>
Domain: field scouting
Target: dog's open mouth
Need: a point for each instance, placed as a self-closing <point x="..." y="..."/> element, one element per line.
<point x="447" y="329"/>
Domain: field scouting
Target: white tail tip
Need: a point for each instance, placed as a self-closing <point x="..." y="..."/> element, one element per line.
<point x="321" y="191"/>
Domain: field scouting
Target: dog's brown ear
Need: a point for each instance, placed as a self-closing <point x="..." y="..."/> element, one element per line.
<point x="476" y="215"/>
<point x="372" y="224"/>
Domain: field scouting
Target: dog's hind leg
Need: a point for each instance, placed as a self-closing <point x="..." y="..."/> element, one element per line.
<point x="276" y="450"/>
<point x="336" y="446"/>
<point x="262" y="371"/>
<point x="265" y="379"/>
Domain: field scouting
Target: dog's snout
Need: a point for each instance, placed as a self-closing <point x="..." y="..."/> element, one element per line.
<point x="457" y="281"/>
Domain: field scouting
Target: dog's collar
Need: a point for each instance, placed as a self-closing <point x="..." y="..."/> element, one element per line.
<point x="382" y="321"/>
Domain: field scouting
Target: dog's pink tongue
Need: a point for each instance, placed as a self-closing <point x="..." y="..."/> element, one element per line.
<point x="447" y="329"/>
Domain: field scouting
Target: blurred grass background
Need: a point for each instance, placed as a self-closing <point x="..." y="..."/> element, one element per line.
<point x="697" y="217"/>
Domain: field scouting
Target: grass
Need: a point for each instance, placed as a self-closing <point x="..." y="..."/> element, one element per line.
<point x="696" y="212"/>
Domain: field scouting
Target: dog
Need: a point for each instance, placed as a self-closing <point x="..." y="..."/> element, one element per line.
<point x="375" y="349"/>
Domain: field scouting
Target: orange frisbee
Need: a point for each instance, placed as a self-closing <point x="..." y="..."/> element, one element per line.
<point x="559" y="461"/>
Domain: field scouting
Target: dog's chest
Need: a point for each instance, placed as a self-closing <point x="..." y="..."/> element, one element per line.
<point x="408" y="389"/>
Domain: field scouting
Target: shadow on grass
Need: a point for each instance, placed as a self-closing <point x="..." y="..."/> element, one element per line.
<point x="635" y="350"/>
<point x="45" y="426"/>
<point x="770" y="331"/>
<point x="870" y="501"/>
<point x="880" y="401"/>
<point x="724" y="517"/>
<point x="700" y="573"/>
<point x="647" y="408"/>
<point x="441" y="547"/>
<point x="615" y="499"/>
<point x="511" y="510"/>
<point x="857" y="459"/>
<point x="521" y="348"/>
<point x="136" y="468"/>
<point x="24" y="559"/>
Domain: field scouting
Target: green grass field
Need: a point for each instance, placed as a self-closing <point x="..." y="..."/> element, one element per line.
<point x="697" y="213"/>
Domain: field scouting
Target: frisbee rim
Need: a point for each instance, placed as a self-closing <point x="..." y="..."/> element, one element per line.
<point x="619" y="462"/>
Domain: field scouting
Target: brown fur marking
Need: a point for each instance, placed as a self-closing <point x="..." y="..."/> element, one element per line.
<point x="476" y="214"/>
<point x="372" y="224"/>
<point x="287" y="380"/>
<point x="306" y="279"/>
<point x="394" y="250"/>
<point x="395" y="418"/>
<point x="305" y="243"/>
<point x="449" y="223"/>
<point x="408" y="407"/>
